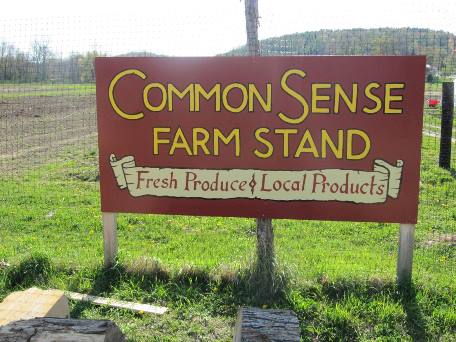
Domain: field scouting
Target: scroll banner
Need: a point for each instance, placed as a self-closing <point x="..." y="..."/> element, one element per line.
<point x="355" y="186"/>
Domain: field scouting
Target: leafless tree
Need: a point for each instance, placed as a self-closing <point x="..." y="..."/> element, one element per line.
<point x="40" y="56"/>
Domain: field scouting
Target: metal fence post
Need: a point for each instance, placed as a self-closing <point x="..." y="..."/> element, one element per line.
<point x="447" y="124"/>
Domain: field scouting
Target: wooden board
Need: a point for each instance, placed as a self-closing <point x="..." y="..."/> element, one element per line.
<point x="158" y="310"/>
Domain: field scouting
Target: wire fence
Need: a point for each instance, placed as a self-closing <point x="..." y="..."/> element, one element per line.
<point x="47" y="91"/>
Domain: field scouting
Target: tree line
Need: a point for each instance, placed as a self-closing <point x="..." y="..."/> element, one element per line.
<point x="42" y="65"/>
<point x="438" y="46"/>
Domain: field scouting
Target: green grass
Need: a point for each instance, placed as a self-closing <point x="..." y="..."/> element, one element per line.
<point x="10" y="91"/>
<point x="435" y="86"/>
<point x="339" y="275"/>
<point x="36" y="85"/>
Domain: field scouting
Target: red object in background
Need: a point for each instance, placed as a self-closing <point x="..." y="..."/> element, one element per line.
<point x="433" y="103"/>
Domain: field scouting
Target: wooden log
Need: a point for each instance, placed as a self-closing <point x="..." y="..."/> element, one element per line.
<point x="259" y="325"/>
<point x="61" y="330"/>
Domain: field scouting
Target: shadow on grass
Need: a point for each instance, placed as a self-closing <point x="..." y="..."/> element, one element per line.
<point x="452" y="172"/>
<point x="416" y="324"/>
<point x="218" y="293"/>
<point x="328" y="309"/>
<point x="324" y="308"/>
<point x="338" y="309"/>
<point x="34" y="270"/>
<point x="104" y="282"/>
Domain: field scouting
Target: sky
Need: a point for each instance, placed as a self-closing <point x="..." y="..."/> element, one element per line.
<point x="198" y="27"/>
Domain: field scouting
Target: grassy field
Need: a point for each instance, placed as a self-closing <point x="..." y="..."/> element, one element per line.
<point x="10" y="91"/>
<point x="338" y="277"/>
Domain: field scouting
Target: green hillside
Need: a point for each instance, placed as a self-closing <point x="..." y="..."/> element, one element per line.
<point x="438" y="46"/>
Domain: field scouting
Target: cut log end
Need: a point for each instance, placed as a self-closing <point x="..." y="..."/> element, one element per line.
<point x="255" y="325"/>
<point x="62" y="330"/>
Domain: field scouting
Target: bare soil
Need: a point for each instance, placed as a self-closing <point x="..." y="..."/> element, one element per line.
<point x="36" y="129"/>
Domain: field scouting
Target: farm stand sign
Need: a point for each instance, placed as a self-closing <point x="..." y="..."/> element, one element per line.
<point x="334" y="138"/>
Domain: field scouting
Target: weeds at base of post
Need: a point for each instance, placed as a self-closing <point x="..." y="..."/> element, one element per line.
<point x="264" y="286"/>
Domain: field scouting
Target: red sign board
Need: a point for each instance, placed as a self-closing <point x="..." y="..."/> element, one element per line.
<point x="324" y="137"/>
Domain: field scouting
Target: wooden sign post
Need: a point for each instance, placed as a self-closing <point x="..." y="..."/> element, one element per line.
<point x="265" y="230"/>
<point x="110" y="238"/>
<point x="405" y="253"/>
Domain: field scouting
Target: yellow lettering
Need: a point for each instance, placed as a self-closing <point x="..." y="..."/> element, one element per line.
<point x="157" y="140"/>
<point x="285" y="133"/>
<point x="179" y="141"/>
<point x="373" y="97"/>
<point x="327" y="141"/>
<point x="234" y="134"/>
<point x="148" y="105"/>
<point x="259" y="138"/>
<point x="254" y="93"/>
<point x="199" y="90"/>
<point x="392" y="98"/>
<point x="294" y="94"/>
<point x="181" y="94"/>
<point x="316" y="97"/>
<point x="339" y="92"/>
<point x="197" y="142"/>
<point x="367" y="144"/>
<point x="111" y="94"/>
<point x="245" y="97"/>
<point x="306" y="138"/>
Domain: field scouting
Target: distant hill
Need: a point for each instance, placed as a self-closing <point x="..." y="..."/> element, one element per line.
<point x="139" y="54"/>
<point x="438" y="46"/>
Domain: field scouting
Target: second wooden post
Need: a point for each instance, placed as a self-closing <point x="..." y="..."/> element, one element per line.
<point x="265" y="232"/>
